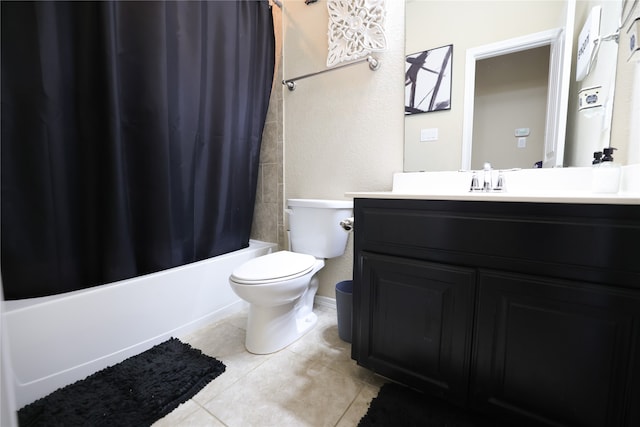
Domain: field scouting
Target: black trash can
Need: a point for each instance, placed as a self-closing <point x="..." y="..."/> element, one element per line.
<point x="344" y="295"/>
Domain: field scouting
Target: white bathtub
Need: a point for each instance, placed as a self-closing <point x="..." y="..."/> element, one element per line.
<point x="57" y="340"/>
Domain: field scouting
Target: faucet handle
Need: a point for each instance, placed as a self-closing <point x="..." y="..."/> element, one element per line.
<point x="475" y="184"/>
<point x="500" y="182"/>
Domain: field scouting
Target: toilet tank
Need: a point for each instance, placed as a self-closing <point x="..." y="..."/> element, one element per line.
<point x="314" y="226"/>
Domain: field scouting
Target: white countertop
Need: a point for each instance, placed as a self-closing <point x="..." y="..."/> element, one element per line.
<point x="558" y="185"/>
<point x="570" y="197"/>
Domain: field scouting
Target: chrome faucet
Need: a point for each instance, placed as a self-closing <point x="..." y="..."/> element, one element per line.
<point x="487" y="181"/>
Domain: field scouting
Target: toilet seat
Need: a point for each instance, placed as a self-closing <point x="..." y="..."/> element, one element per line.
<point x="274" y="267"/>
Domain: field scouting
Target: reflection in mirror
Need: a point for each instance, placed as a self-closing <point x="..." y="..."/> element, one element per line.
<point x="510" y="89"/>
<point x="468" y="25"/>
<point x="518" y="115"/>
<point x="589" y="130"/>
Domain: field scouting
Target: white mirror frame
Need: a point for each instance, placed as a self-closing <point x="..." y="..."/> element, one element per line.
<point x="557" y="98"/>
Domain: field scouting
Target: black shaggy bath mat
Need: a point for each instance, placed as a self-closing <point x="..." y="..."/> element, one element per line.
<point x="136" y="392"/>
<point x="399" y="406"/>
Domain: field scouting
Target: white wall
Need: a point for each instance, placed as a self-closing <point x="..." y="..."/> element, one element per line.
<point x="342" y="129"/>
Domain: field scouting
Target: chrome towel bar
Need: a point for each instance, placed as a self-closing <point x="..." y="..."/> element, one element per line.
<point x="374" y="65"/>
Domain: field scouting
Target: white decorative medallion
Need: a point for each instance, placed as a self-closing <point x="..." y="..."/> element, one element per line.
<point x="356" y="28"/>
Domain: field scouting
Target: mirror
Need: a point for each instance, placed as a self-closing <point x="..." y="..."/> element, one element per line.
<point x="514" y="94"/>
<point x="535" y="136"/>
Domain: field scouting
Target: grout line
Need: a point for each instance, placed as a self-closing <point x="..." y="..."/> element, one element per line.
<point x="324" y="304"/>
<point x="212" y="415"/>
<point x="362" y="385"/>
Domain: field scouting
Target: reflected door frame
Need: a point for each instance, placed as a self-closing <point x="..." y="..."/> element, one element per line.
<point x="558" y="93"/>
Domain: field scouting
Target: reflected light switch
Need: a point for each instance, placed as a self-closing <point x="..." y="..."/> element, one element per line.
<point x="522" y="142"/>
<point x="430" y="134"/>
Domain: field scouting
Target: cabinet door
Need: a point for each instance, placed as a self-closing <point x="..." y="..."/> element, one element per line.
<point x="556" y="352"/>
<point x="417" y="322"/>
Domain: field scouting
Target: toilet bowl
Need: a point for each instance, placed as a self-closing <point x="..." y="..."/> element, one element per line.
<point x="280" y="287"/>
<point x="277" y="287"/>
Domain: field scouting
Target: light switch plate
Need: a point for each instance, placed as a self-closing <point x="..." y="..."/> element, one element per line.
<point x="430" y="134"/>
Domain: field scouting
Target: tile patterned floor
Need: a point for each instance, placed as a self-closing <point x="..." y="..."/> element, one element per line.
<point x="313" y="382"/>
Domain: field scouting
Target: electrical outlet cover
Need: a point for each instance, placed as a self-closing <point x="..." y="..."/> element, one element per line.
<point x="589" y="98"/>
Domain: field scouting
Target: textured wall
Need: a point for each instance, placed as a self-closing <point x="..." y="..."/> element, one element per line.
<point x="342" y="129"/>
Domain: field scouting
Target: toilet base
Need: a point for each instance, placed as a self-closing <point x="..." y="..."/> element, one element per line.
<point x="270" y="329"/>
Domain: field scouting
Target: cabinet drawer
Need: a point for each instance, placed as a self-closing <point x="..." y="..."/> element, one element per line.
<point x="559" y="240"/>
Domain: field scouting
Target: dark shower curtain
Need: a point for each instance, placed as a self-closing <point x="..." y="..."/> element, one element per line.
<point x="131" y="136"/>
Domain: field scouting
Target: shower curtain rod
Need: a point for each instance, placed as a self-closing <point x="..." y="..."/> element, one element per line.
<point x="374" y="64"/>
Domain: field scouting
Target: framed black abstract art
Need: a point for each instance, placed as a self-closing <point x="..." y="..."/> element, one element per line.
<point x="427" y="80"/>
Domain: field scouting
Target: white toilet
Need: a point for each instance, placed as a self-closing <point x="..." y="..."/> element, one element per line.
<point x="280" y="287"/>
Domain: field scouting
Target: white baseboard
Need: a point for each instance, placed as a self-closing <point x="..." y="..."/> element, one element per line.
<point x="325" y="301"/>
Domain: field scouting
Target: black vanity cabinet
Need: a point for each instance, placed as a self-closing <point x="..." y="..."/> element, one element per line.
<point x="529" y="311"/>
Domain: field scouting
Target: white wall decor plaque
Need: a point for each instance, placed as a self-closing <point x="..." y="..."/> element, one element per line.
<point x="356" y="28"/>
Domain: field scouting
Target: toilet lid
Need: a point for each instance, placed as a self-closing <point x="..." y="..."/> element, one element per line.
<point x="278" y="265"/>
